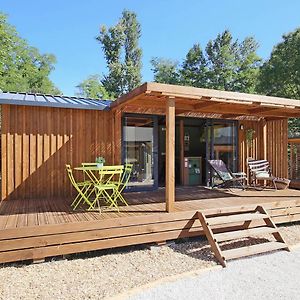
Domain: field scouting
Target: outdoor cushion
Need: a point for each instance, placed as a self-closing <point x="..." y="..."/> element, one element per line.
<point x="225" y="175"/>
<point x="263" y="175"/>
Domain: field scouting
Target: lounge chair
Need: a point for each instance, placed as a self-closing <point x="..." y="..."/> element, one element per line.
<point x="261" y="170"/>
<point x="228" y="178"/>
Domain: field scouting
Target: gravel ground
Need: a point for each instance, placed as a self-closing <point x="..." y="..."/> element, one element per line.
<point x="106" y="273"/>
<point x="273" y="276"/>
<point x="291" y="233"/>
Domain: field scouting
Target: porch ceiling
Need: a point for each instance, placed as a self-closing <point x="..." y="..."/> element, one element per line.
<point x="192" y="101"/>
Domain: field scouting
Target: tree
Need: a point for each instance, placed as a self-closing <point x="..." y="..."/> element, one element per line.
<point x="221" y="61"/>
<point x="232" y="65"/>
<point x="280" y="75"/>
<point x="22" y="67"/>
<point x="165" y="70"/>
<point x="225" y="65"/>
<point x="194" y="68"/>
<point x="92" y="88"/>
<point x="122" y="54"/>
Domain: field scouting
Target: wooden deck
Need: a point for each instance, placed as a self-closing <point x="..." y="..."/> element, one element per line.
<point x="34" y="229"/>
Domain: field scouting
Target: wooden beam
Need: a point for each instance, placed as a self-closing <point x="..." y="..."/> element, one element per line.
<point x="170" y="154"/>
<point x="264" y="137"/>
<point x="228" y="116"/>
<point x="262" y="109"/>
<point x="193" y="92"/>
<point x="205" y="104"/>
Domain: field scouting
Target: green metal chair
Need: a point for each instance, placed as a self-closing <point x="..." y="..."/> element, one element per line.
<point x="83" y="188"/>
<point x="124" y="182"/>
<point x="88" y="164"/>
<point x="92" y="164"/>
<point x="108" y="186"/>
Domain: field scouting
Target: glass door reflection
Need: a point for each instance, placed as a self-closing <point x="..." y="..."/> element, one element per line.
<point x="222" y="144"/>
<point x="140" y="149"/>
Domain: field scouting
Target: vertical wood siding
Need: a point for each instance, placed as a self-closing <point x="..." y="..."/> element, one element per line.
<point x="37" y="142"/>
<point x="276" y="145"/>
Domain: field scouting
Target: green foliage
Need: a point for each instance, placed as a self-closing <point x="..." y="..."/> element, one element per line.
<point x="100" y="160"/>
<point x="249" y="136"/>
<point x="280" y="75"/>
<point x="92" y="88"/>
<point x="122" y="54"/>
<point x="232" y="65"/>
<point x="194" y="68"/>
<point x="22" y="67"/>
<point x="165" y="70"/>
<point x="225" y="65"/>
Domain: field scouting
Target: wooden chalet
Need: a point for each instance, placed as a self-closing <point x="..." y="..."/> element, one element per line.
<point x="168" y="132"/>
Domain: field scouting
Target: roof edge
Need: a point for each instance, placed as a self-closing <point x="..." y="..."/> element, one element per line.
<point x="195" y="92"/>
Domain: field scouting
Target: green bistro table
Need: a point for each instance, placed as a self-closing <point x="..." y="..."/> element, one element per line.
<point x="106" y="182"/>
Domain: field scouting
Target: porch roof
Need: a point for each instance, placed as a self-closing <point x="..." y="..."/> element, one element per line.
<point x="191" y="100"/>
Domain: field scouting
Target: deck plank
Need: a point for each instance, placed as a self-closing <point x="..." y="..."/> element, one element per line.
<point x="22" y="213"/>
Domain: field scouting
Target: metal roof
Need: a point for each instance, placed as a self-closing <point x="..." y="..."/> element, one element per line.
<point x="53" y="101"/>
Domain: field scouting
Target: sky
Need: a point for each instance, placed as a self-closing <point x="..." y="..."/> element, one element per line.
<point x="67" y="29"/>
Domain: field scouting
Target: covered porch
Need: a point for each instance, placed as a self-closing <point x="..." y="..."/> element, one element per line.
<point x="264" y="117"/>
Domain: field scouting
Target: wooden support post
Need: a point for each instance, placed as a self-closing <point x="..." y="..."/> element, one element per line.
<point x="291" y="160"/>
<point x="264" y="142"/>
<point x="170" y="154"/>
<point x="181" y="129"/>
<point x="117" y="136"/>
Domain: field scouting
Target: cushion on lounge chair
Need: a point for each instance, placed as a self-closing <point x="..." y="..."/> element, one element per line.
<point x="263" y="175"/>
<point x="225" y="175"/>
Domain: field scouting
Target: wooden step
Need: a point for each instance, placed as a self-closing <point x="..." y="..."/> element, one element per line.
<point x="254" y="249"/>
<point x="238" y="234"/>
<point x="235" y="218"/>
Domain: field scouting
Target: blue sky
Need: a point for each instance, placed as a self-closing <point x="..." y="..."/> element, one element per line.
<point x="68" y="28"/>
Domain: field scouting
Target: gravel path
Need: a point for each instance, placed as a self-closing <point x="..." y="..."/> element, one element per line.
<point x="273" y="276"/>
<point x="103" y="274"/>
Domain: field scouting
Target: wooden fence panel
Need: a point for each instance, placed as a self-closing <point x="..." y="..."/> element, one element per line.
<point x="276" y="145"/>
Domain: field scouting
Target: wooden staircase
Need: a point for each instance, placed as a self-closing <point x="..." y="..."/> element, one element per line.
<point x="226" y="227"/>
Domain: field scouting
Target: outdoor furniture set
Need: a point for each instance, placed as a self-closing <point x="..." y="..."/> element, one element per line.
<point x="259" y="171"/>
<point x="100" y="183"/>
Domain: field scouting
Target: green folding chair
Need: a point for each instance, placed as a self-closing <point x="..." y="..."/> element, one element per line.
<point x="92" y="164"/>
<point x="83" y="188"/>
<point x="124" y="182"/>
<point x="88" y="164"/>
<point x="108" y="186"/>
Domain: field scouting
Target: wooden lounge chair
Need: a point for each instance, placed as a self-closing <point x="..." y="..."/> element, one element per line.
<point x="228" y="178"/>
<point x="260" y="170"/>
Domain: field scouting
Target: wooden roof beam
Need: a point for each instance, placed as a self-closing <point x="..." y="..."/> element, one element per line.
<point x="231" y="116"/>
<point x="204" y="104"/>
<point x="262" y="109"/>
<point x="192" y="92"/>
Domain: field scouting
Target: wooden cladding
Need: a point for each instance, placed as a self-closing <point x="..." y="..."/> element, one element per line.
<point x="270" y="140"/>
<point x="277" y="147"/>
<point x="37" y="142"/>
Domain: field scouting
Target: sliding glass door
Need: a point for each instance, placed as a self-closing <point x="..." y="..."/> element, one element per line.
<point x="140" y="149"/>
<point x="222" y="142"/>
